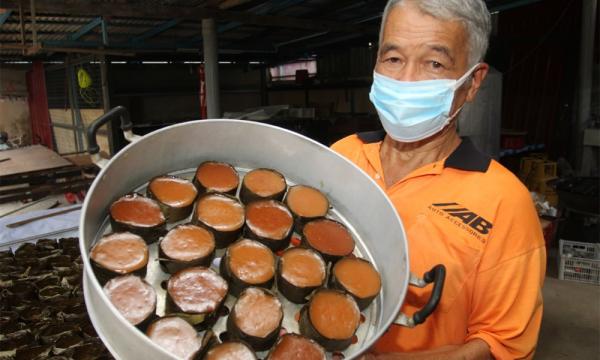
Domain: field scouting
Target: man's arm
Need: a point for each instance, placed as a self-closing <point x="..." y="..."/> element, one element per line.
<point x="473" y="350"/>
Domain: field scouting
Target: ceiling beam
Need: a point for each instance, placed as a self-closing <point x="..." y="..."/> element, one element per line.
<point x="262" y="9"/>
<point x="34" y="50"/>
<point x="156" y="30"/>
<point x="226" y="4"/>
<point x="187" y="13"/>
<point x="332" y="39"/>
<point x="163" y="46"/>
<point x="86" y="28"/>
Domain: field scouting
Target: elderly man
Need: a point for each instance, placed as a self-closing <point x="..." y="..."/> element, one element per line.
<point x="459" y="207"/>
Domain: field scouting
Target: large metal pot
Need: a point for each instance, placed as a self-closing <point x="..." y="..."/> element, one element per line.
<point x="355" y="197"/>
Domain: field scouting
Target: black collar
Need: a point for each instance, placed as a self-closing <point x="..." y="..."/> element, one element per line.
<point x="465" y="157"/>
<point x="371" y="136"/>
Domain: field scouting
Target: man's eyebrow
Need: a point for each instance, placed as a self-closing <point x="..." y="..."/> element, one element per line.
<point x="442" y="50"/>
<point x="387" y="47"/>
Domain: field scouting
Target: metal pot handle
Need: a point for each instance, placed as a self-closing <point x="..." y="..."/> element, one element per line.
<point x="437" y="276"/>
<point x="126" y="126"/>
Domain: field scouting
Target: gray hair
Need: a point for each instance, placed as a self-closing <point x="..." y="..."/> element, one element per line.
<point x="472" y="13"/>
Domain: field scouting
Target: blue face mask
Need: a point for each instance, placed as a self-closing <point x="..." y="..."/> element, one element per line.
<point x="414" y="110"/>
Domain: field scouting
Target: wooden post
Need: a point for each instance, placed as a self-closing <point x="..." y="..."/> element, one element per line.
<point x="33" y="23"/>
<point x="211" y="66"/>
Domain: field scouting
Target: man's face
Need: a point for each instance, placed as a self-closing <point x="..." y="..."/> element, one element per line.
<point x="416" y="46"/>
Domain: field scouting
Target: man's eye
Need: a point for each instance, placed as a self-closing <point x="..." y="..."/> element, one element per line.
<point x="436" y="65"/>
<point x="393" y="60"/>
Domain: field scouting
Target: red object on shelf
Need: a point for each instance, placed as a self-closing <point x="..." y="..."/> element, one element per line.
<point x="510" y="139"/>
<point x="81" y="195"/>
<point x="71" y="198"/>
<point x="41" y="132"/>
<point x="202" y="78"/>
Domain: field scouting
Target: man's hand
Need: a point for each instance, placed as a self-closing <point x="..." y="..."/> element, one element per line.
<point x="473" y="350"/>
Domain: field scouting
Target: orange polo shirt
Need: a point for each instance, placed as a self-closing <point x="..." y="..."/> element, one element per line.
<point x="474" y="216"/>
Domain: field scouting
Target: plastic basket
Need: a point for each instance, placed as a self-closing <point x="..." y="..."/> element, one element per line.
<point x="581" y="250"/>
<point x="580" y="270"/>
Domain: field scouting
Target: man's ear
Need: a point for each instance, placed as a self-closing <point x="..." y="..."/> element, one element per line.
<point x="476" y="80"/>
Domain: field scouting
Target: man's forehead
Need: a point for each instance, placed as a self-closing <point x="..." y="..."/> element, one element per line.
<point x="409" y="12"/>
<point x="406" y="25"/>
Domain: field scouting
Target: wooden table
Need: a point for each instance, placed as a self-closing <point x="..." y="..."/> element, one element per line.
<point x="29" y="159"/>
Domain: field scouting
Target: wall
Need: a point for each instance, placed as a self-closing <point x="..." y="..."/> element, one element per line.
<point x="168" y="93"/>
<point x="65" y="139"/>
<point x="537" y="50"/>
<point x="481" y="119"/>
<point x="161" y="94"/>
<point x="240" y="87"/>
<point x="336" y="100"/>
<point x="155" y="94"/>
<point x="341" y="103"/>
<point x="14" y="109"/>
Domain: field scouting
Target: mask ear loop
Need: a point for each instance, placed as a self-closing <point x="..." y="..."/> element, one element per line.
<point x="451" y="118"/>
<point x="464" y="78"/>
<point x="455" y="113"/>
<point x="460" y="83"/>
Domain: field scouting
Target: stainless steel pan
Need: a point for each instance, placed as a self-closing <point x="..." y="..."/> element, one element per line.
<point x="357" y="201"/>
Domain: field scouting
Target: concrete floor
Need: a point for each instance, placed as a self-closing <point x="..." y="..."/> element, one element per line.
<point x="571" y="322"/>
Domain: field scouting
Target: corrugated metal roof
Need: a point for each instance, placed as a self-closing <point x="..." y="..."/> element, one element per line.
<point x="139" y="33"/>
<point x="41" y="27"/>
<point x="52" y="18"/>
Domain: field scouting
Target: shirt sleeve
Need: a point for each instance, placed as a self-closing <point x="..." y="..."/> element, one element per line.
<point x="346" y="146"/>
<point x="506" y="309"/>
